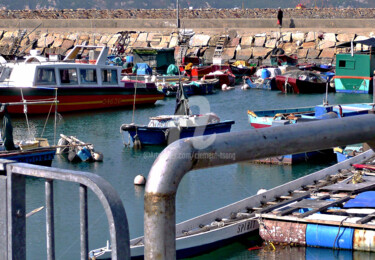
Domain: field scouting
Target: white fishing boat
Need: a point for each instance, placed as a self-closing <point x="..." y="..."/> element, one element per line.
<point x="219" y="227"/>
<point x="83" y="81"/>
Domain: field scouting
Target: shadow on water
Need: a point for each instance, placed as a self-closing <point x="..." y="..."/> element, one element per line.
<point x="245" y="250"/>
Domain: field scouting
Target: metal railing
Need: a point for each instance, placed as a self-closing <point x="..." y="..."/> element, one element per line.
<point x="182" y="156"/>
<point x="13" y="202"/>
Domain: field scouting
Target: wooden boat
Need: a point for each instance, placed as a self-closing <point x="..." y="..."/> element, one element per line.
<point x="199" y="87"/>
<point x="349" y="151"/>
<point x="242" y="71"/>
<point x="298" y="81"/>
<point x="267" y="118"/>
<point x="197" y="72"/>
<point x="81" y="84"/>
<point x="35" y="151"/>
<point x="259" y="83"/>
<point x="355" y="69"/>
<point x="283" y="59"/>
<point x="225" y="77"/>
<point x="337" y="215"/>
<point x="237" y="220"/>
<point x="165" y="129"/>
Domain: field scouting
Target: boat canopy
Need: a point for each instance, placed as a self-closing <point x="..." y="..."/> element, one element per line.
<point x="367" y="42"/>
<point x="142" y="69"/>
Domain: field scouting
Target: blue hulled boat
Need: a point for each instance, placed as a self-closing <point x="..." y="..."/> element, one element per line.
<point x="165" y="129"/>
<point x="279" y="117"/>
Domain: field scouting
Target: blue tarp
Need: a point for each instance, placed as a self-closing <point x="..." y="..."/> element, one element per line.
<point x="362" y="200"/>
<point x="142" y="69"/>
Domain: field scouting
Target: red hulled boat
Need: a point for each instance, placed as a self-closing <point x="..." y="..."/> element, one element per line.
<point x="79" y="84"/>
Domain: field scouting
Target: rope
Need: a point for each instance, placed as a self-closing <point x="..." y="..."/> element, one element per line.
<point x="338" y="232"/>
<point x="268" y="243"/>
<point x="25" y="112"/>
<point x="135" y="94"/>
<point x="45" y="123"/>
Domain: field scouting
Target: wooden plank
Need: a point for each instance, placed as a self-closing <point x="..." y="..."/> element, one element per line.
<point x="283" y="203"/>
<point x="324" y="207"/>
<point x="366" y="219"/>
<point x="355" y="188"/>
<point x="293" y="208"/>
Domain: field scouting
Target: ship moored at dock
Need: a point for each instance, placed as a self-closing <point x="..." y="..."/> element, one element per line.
<point x="81" y="84"/>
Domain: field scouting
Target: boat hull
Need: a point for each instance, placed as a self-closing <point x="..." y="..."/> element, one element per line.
<point x="357" y="85"/>
<point x="165" y="135"/>
<point x="78" y="98"/>
<point x="300" y="86"/>
<point x="43" y="156"/>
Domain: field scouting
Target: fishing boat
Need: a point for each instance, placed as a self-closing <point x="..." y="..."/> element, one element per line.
<point x="349" y="151"/>
<point x="240" y="70"/>
<point x="259" y="83"/>
<point x="197" y="72"/>
<point x="238" y="220"/>
<point x="225" y="77"/>
<point x="199" y="87"/>
<point x="164" y="129"/>
<point x="298" y="81"/>
<point x="280" y="117"/>
<point x="34" y="151"/>
<point x="355" y="69"/>
<point x="267" y="118"/>
<point x="81" y="83"/>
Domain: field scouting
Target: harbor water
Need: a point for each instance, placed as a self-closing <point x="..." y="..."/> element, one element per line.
<point x="199" y="192"/>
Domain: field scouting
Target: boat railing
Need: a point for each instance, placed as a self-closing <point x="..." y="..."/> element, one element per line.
<point x="196" y="153"/>
<point x="13" y="207"/>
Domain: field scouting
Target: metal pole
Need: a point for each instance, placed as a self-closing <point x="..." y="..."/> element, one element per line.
<point x="50" y="223"/>
<point x="83" y="222"/>
<point x="182" y="156"/>
<point x="178" y="14"/>
<point x="16" y="202"/>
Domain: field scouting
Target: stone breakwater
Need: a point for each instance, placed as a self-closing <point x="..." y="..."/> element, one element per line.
<point x="313" y="45"/>
<point x="308" y="13"/>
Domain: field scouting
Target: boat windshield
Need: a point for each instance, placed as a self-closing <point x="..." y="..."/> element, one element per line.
<point x="162" y="122"/>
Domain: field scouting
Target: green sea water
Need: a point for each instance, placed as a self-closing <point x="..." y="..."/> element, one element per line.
<point x="199" y="192"/>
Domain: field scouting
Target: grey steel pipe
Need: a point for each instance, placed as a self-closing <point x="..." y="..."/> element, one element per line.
<point x="83" y="222"/>
<point x="50" y="222"/>
<point x="183" y="156"/>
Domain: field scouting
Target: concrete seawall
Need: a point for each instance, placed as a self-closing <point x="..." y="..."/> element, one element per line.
<point x="170" y="24"/>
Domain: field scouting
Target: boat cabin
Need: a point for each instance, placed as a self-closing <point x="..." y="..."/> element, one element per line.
<point x="355" y="70"/>
<point x="38" y="71"/>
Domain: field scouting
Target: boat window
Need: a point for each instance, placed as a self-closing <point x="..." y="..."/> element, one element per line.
<point x="45" y="76"/>
<point x="109" y="76"/>
<point x="347" y="64"/>
<point x="68" y="76"/>
<point x="88" y="76"/>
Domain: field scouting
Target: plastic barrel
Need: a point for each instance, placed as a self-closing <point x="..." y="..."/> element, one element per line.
<point x="265" y="73"/>
<point x="84" y="154"/>
<point x="329" y="236"/>
<point x="130" y="59"/>
<point x="364" y="240"/>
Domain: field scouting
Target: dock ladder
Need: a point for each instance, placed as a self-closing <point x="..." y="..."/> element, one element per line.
<point x="220" y="48"/>
<point x="121" y="44"/>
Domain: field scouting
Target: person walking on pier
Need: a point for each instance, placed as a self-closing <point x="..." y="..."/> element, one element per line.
<point x="280" y="17"/>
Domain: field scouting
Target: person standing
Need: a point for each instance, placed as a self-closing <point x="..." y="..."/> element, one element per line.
<point x="280" y="17"/>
